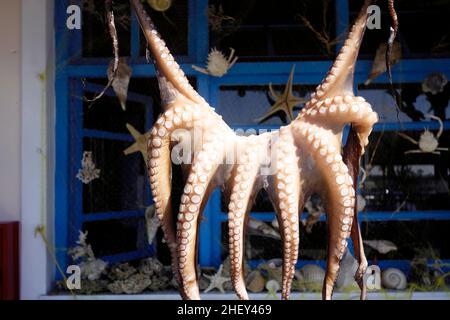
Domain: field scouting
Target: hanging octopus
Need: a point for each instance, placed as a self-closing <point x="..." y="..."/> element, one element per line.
<point x="301" y="158"/>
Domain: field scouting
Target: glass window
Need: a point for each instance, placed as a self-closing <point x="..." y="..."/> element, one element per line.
<point x="273" y="30"/>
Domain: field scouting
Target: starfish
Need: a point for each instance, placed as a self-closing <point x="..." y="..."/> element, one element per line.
<point x="140" y="144"/>
<point x="284" y="102"/>
<point x="217" y="281"/>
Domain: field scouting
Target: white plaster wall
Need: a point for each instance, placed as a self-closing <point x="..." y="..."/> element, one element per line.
<point x="10" y="112"/>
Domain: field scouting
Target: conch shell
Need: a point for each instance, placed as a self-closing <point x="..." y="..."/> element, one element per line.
<point x="393" y="278"/>
<point x="160" y="5"/>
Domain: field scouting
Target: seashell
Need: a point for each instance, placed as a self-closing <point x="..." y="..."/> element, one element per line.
<point x="379" y="62"/>
<point x="255" y="281"/>
<point x="121" y="80"/>
<point x="160" y="5"/>
<point x="152" y="223"/>
<point x="218" y="64"/>
<point x="381" y="246"/>
<point x="260" y="228"/>
<point x="361" y="203"/>
<point x="132" y="285"/>
<point x="273" y="286"/>
<point x="434" y="83"/>
<point x="346" y="277"/>
<point x="393" y="278"/>
<point x="310" y="277"/>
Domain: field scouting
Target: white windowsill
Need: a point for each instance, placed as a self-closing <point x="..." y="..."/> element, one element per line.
<point x="384" y="295"/>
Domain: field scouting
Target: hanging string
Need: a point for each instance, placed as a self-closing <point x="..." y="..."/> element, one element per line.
<point x="115" y="45"/>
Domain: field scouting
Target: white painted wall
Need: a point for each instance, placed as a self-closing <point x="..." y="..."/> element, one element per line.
<point x="10" y="111"/>
<point x="37" y="147"/>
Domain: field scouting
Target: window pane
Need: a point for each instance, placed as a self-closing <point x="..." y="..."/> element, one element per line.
<point x="407" y="182"/>
<point x="272" y="30"/>
<point x="312" y="245"/>
<point x="96" y="39"/>
<point x="415" y="102"/>
<point x="423" y="28"/>
<point x="106" y="114"/>
<point x="122" y="182"/>
<point x="116" y="236"/>
<point x="244" y="105"/>
<point x="173" y="26"/>
<point x="420" y="239"/>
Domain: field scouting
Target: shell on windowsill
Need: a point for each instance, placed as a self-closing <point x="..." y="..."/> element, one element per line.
<point x="310" y="277"/>
<point x="393" y="278"/>
<point x="255" y="282"/>
<point x="434" y="83"/>
<point x="135" y="284"/>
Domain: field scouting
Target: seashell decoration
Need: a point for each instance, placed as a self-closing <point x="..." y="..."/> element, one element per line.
<point x="121" y="80"/>
<point x="361" y="203"/>
<point x="260" y="228"/>
<point x="393" y="278"/>
<point x="381" y="246"/>
<point x="255" y="281"/>
<point x="152" y="223"/>
<point x="217" y="64"/>
<point x="379" y="62"/>
<point x="346" y="277"/>
<point x="88" y="171"/>
<point x="160" y="5"/>
<point x="310" y="277"/>
<point x="434" y="83"/>
<point x="273" y="286"/>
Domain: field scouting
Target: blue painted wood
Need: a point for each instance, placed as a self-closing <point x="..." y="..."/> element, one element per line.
<point x="99" y="216"/>
<point x="365" y="215"/>
<point x="62" y="184"/>
<point x="307" y="72"/>
<point x="77" y="148"/>
<point x="135" y="36"/>
<point x="128" y="256"/>
<point x="342" y="21"/>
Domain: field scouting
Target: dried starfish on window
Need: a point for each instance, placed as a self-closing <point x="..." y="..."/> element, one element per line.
<point x="217" y="281"/>
<point x="285" y="102"/>
<point x="218" y="64"/>
<point x="88" y="171"/>
<point x="428" y="142"/>
<point x="141" y="142"/>
<point x="216" y="17"/>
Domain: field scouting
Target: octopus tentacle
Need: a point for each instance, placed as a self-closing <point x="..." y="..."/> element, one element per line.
<point x="340" y="110"/>
<point x="351" y="157"/>
<point x="338" y="192"/>
<point x="164" y="60"/>
<point x="159" y="166"/>
<point x="287" y="186"/>
<point x="242" y="181"/>
<point x="202" y="172"/>
<point x="339" y="79"/>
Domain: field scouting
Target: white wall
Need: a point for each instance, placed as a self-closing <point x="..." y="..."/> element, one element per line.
<point x="10" y="112"/>
<point x="37" y="147"/>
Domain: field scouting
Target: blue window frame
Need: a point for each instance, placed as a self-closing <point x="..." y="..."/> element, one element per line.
<point x="71" y="66"/>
